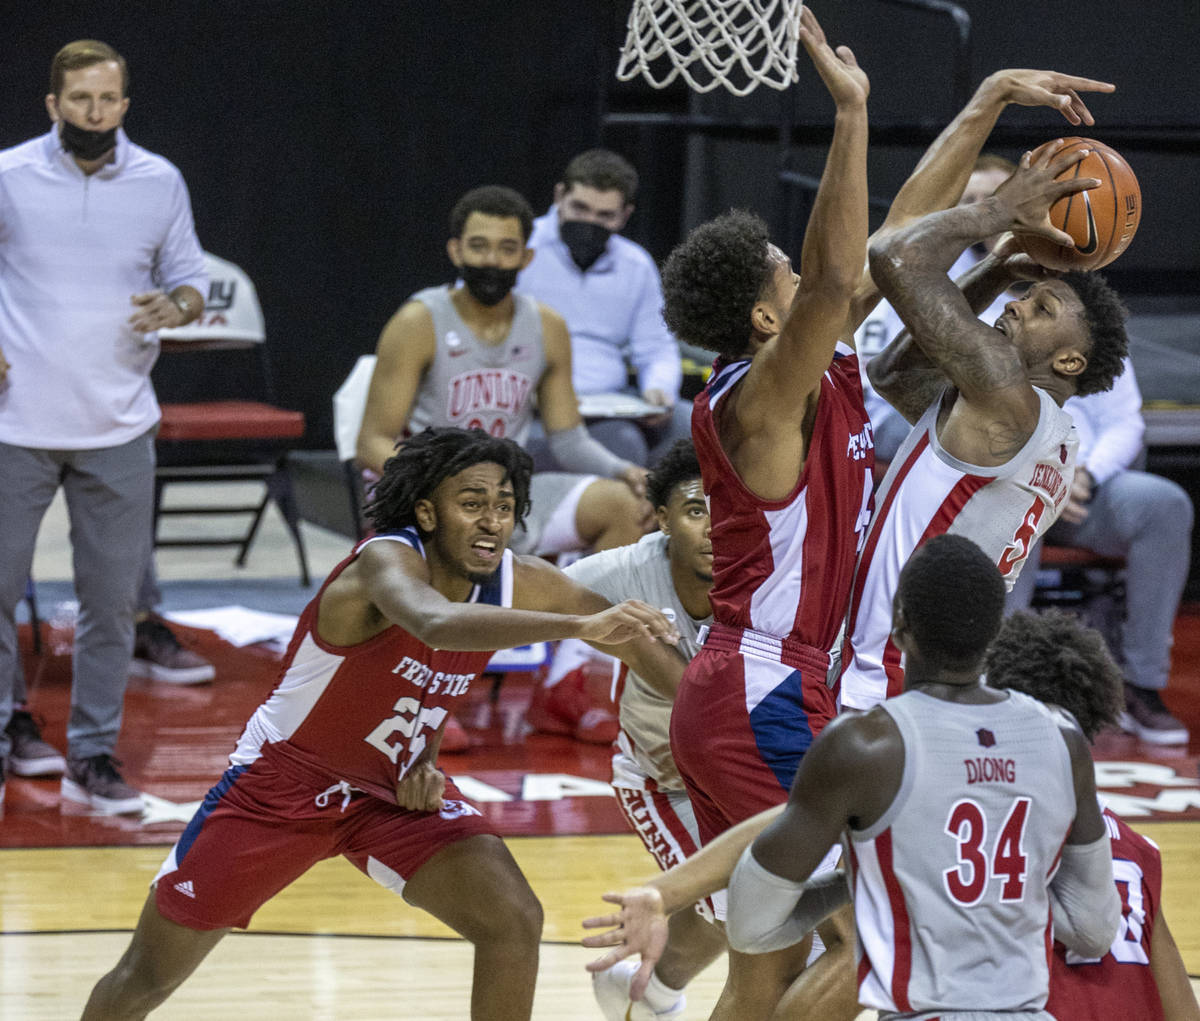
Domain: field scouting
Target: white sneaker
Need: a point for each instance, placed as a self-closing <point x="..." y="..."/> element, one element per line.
<point x="611" y="989"/>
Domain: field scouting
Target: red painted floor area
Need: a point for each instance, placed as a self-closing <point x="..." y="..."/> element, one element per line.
<point x="176" y="741"/>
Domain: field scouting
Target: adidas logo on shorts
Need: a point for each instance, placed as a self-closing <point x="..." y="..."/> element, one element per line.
<point x="186" y="888"/>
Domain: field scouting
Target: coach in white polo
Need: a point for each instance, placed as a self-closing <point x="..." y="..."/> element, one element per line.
<point x="97" y="253"/>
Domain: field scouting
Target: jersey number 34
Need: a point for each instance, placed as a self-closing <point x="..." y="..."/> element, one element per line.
<point x="967" y="882"/>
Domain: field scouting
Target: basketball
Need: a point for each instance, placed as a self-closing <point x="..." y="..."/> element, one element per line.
<point x="1102" y="220"/>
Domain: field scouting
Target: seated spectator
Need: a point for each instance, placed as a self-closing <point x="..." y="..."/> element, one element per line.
<point x="1117" y="511"/>
<point x="476" y="355"/>
<point x="607" y="289"/>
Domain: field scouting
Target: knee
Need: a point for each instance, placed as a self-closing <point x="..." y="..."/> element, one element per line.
<point x="138" y="984"/>
<point x="513" y="920"/>
<point x="1166" y="507"/>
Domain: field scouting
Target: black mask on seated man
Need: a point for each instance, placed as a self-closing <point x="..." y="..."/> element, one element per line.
<point x="85" y="143"/>
<point x="488" y="284"/>
<point x="585" y="241"/>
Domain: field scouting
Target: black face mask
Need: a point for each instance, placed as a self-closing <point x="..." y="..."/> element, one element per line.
<point x="488" y="284"/>
<point x="86" y="144"/>
<point x="585" y="241"/>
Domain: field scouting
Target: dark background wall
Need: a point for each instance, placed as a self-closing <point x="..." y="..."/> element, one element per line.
<point x="325" y="142"/>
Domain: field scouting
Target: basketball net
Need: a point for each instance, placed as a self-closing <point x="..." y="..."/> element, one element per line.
<point x="739" y="44"/>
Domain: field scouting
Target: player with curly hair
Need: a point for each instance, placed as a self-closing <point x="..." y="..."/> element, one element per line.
<point x="786" y="451"/>
<point x="1141" y="977"/>
<point x="341" y="759"/>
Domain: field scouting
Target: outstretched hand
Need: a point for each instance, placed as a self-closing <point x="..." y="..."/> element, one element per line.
<point x="846" y="81"/>
<point x="1027" y="87"/>
<point x="625" y="622"/>
<point x="1033" y="189"/>
<point x="640" y="927"/>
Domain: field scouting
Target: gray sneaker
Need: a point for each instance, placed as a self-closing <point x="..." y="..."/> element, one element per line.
<point x="1146" y="716"/>
<point x="30" y="755"/>
<point x="159" y="655"/>
<point x="95" y="782"/>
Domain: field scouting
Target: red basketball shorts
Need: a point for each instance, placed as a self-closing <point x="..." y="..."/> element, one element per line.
<point x="742" y="723"/>
<point x="259" y="829"/>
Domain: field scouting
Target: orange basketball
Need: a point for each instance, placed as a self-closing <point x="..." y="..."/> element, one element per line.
<point x="1102" y="221"/>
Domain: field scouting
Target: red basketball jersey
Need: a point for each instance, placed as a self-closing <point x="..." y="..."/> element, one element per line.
<point x="362" y="714"/>
<point x="1120" y="984"/>
<point x="783" y="567"/>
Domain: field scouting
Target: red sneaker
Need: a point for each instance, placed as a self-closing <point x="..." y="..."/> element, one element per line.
<point x="454" y="738"/>
<point x="566" y="708"/>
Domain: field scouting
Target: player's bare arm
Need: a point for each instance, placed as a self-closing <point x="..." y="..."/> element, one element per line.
<point x="558" y="403"/>
<point x="639" y="926"/>
<point x="390" y="583"/>
<point x="1170" y="975"/>
<point x="1089" y="824"/>
<point x="656" y="661"/>
<point x="405" y="351"/>
<point x="941" y="175"/>
<point x="786" y="373"/>
<point x="998" y="409"/>
<point x="628" y="628"/>
<point x="904" y="375"/>
<point x="848" y="778"/>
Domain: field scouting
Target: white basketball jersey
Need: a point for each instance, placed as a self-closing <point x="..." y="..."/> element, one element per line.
<point x="474" y="385"/>
<point x="928" y="492"/>
<point x="642" y="571"/>
<point x="950" y="885"/>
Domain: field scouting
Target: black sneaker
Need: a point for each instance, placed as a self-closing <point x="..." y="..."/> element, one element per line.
<point x="1146" y="716"/>
<point x="158" y="655"/>
<point x="95" y="782"/>
<point x="30" y="755"/>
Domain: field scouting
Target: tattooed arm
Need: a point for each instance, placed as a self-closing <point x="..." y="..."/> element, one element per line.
<point x="904" y="375"/>
<point x="998" y="409"/>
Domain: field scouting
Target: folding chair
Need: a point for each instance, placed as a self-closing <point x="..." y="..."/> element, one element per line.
<point x="349" y="403"/>
<point x="219" y="422"/>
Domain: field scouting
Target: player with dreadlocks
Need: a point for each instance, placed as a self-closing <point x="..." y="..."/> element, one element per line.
<point x="341" y="758"/>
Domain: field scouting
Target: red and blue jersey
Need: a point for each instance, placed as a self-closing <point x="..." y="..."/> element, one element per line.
<point x="363" y="714"/>
<point x="1121" y="983"/>
<point x="784" y="567"/>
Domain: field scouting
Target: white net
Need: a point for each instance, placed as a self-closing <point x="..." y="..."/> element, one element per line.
<point x="739" y="44"/>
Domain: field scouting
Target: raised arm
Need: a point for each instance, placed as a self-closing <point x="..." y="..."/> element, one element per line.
<point x="903" y="374"/>
<point x="788" y="371"/>
<point x="405" y="351"/>
<point x="910" y="266"/>
<point x="938" y="180"/>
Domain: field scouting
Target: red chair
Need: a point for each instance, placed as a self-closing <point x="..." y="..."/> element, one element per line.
<point x="219" y="421"/>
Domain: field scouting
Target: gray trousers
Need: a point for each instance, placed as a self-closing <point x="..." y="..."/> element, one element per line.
<point x="1147" y="520"/>
<point x="109" y="494"/>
